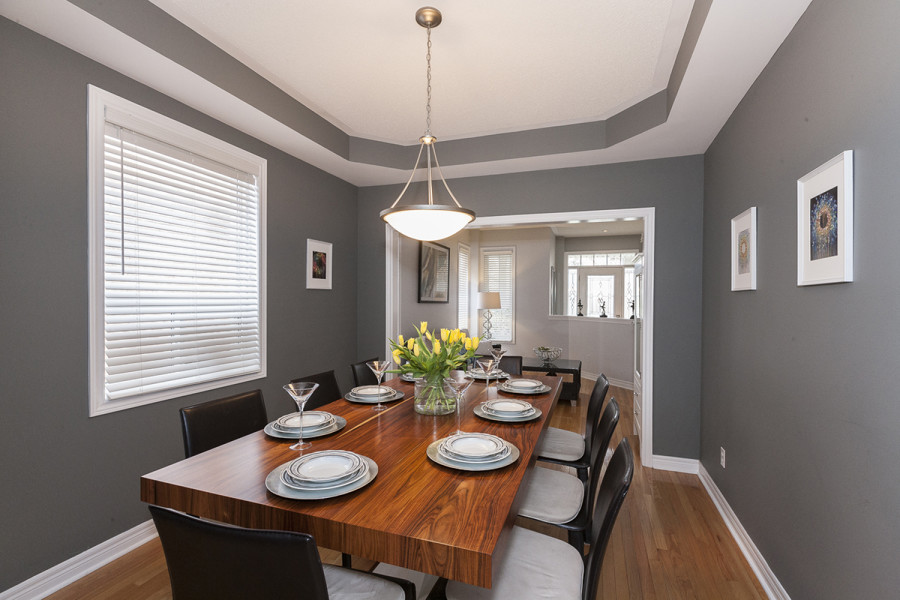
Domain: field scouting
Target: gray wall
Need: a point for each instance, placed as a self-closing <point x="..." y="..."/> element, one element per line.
<point x="674" y="186"/>
<point x="70" y="482"/>
<point x="799" y="383"/>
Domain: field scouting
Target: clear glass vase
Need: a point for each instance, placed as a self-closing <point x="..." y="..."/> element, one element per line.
<point x="434" y="397"/>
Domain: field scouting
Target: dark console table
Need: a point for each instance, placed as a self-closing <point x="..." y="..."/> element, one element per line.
<point x="571" y="389"/>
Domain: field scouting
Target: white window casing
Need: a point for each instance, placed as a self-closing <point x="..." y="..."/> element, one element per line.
<point x="177" y="258"/>
<point x="497" y="273"/>
<point x="462" y="290"/>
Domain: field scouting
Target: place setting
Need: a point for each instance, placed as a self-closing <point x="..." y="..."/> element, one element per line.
<point x="473" y="452"/>
<point x="320" y="475"/>
<point x="523" y="386"/>
<point x="507" y="410"/>
<point x="373" y="394"/>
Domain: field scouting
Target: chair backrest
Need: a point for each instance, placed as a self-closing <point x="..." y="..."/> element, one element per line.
<point x="362" y="374"/>
<point x="511" y="364"/>
<point x="213" y="560"/>
<point x="602" y="435"/>
<point x="610" y="497"/>
<point x="210" y="424"/>
<point x="328" y="389"/>
<point x="598" y="395"/>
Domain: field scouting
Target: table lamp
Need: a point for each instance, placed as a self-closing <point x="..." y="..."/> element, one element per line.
<point x="488" y="301"/>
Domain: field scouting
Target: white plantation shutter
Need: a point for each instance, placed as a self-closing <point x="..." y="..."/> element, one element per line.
<point x="498" y="274"/>
<point x="462" y="278"/>
<point x="181" y="269"/>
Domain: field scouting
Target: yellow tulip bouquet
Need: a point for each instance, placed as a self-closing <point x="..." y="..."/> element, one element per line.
<point x="431" y="356"/>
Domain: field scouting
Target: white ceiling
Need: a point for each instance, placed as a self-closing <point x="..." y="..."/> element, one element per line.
<point x="498" y="66"/>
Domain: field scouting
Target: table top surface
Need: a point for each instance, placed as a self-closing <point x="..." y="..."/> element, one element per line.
<point x="415" y="513"/>
<point x="560" y="364"/>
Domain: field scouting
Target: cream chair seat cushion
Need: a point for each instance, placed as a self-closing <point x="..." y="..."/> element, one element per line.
<point x="347" y="584"/>
<point x="561" y="444"/>
<point x="551" y="496"/>
<point x="534" y="566"/>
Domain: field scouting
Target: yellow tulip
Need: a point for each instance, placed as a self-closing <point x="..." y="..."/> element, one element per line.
<point x="453" y="336"/>
<point x="416" y="350"/>
<point x="410" y="343"/>
<point x="445" y="335"/>
<point x="428" y="335"/>
<point x="397" y="355"/>
<point x="468" y="344"/>
<point x="423" y="326"/>
<point x="475" y="342"/>
<point x="437" y="346"/>
<point x="400" y="340"/>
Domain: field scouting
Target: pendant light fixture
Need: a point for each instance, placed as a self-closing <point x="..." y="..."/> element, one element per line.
<point x="427" y="222"/>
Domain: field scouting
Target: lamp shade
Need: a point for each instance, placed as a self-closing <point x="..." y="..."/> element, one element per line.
<point x="489" y="300"/>
<point x="427" y="222"/>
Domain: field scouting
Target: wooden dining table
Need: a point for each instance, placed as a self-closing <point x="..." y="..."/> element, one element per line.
<point x="415" y="513"/>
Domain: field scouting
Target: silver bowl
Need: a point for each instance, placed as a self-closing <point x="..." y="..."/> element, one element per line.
<point x="547" y="354"/>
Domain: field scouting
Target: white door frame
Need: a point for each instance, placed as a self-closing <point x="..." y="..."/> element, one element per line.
<point x="392" y="290"/>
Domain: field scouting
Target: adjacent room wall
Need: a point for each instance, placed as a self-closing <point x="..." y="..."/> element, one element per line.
<point x="674" y="186"/>
<point x="70" y="482"/>
<point x="799" y="383"/>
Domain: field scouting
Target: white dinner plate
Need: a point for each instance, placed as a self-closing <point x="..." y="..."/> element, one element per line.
<point x="479" y="374"/>
<point x="505" y="387"/>
<point x="324" y="466"/>
<point x="408" y="377"/>
<point x="339" y="423"/>
<point x="479" y="410"/>
<point x="474" y="445"/>
<point x="328" y="485"/>
<point x="372" y="391"/>
<point x="275" y="484"/>
<point x="443" y="451"/>
<point x="434" y="455"/>
<point x="508" y="407"/>
<point x="312" y="420"/>
<point x="351" y="397"/>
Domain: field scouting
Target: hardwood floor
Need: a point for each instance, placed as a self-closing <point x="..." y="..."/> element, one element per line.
<point x="669" y="541"/>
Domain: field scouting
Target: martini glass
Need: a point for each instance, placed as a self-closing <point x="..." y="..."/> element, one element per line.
<point x="487" y="366"/>
<point x="379" y="367"/>
<point x="497" y="353"/>
<point x="300" y="392"/>
<point x="459" y="388"/>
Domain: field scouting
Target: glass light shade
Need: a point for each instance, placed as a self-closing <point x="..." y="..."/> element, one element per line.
<point x="427" y="222"/>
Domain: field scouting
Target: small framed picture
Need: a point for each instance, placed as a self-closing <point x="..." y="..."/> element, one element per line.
<point x="319" y="265"/>
<point x="825" y="223"/>
<point x="743" y="251"/>
<point x="434" y="272"/>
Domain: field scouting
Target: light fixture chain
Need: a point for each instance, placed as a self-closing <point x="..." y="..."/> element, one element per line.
<point x="428" y="88"/>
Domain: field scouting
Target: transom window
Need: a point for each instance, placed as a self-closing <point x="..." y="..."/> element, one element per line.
<point x="603" y="282"/>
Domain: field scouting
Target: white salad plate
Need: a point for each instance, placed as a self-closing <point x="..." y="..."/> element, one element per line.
<point x="325" y="466"/>
<point x="372" y="391"/>
<point x="338" y="424"/>
<point x="292" y="483"/>
<point x="276" y="485"/>
<point x="479" y="374"/>
<point x="508" y="407"/>
<point x="396" y="395"/>
<point x="490" y="416"/>
<point x="444" y="452"/>
<point x="312" y="421"/>
<point x="433" y="453"/>
<point x="408" y="377"/>
<point x="523" y="386"/>
<point x="474" y="445"/>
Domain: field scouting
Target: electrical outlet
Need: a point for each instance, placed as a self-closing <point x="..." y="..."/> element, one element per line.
<point x="722" y="456"/>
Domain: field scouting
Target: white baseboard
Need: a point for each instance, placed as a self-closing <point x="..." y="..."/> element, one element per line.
<point x="766" y="577"/>
<point x="622" y="383"/>
<point x="673" y="463"/>
<point x="58" y="577"/>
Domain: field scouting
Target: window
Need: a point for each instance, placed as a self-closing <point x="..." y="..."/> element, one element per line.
<point x="462" y="290"/>
<point x="498" y="274"/>
<point x="602" y="281"/>
<point x="177" y="289"/>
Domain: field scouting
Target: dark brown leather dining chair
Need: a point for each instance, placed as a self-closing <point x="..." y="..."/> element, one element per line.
<point x="362" y="374"/>
<point x="210" y="424"/>
<point x="213" y="560"/>
<point x="328" y="389"/>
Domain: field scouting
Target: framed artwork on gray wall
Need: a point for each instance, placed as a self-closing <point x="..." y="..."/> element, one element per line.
<point x="434" y="272"/>
<point x="825" y="223"/>
<point x="319" y="265"/>
<point x="743" y="251"/>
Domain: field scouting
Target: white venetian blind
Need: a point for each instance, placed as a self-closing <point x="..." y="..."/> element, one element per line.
<point x="498" y="268"/>
<point x="462" y="279"/>
<point x="181" y="267"/>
